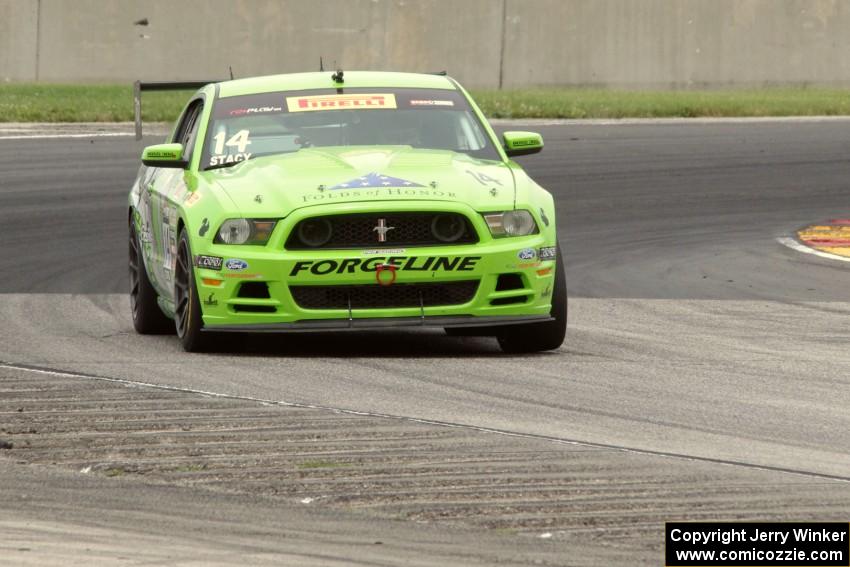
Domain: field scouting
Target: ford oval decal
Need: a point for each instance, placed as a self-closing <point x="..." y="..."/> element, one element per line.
<point x="526" y="254"/>
<point x="235" y="264"/>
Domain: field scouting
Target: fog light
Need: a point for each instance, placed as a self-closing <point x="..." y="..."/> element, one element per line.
<point x="315" y="232"/>
<point x="448" y="228"/>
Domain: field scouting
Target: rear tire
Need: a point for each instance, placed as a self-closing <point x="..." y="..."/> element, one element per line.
<point x="536" y="337"/>
<point x="188" y="317"/>
<point x="148" y="318"/>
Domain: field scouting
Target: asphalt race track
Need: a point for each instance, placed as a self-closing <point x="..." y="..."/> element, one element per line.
<point x="694" y="336"/>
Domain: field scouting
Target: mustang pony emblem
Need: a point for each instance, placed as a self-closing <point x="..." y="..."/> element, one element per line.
<point x="382" y="229"/>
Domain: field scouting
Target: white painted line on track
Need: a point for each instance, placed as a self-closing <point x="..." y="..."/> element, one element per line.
<point x="794" y="245"/>
<point x="559" y="440"/>
<point x="59" y="136"/>
<point x="669" y="121"/>
<point x="59" y="130"/>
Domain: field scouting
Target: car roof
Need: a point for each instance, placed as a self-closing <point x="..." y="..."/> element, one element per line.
<point x="323" y="80"/>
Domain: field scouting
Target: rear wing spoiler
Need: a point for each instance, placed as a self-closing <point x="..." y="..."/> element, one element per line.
<point x="139" y="86"/>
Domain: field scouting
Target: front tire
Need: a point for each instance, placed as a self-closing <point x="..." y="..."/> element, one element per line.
<point x="148" y="318"/>
<point x="536" y="337"/>
<point x="187" y="306"/>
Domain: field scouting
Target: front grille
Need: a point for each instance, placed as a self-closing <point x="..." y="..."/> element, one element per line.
<point x="359" y="230"/>
<point x="376" y="296"/>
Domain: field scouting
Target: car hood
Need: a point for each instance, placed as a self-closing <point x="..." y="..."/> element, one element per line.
<point x="277" y="185"/>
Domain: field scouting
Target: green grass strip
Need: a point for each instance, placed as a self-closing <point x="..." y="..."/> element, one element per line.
<point x="114" y="103"/>
<point x="85" y="103"/>
<point x="599" y="103"/>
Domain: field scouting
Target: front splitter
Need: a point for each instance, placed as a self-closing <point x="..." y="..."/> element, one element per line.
<point x="366" y="323"/>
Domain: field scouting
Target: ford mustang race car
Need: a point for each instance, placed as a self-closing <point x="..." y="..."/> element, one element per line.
<point x="357" y="200"/>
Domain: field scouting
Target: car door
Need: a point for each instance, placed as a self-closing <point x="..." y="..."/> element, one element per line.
<point x="168" y="189"/>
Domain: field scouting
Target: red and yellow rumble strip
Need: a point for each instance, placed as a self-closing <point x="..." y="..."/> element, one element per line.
<point x="832" y="237"/>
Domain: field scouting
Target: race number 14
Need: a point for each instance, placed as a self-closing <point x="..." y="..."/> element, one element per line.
<point x="239" y="140"/>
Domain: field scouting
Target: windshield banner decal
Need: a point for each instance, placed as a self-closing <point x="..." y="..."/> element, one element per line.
<point x="340" y="102"/>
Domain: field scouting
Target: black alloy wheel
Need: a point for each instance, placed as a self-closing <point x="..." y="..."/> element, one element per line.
<point x="148" y="318"/>
<point x="188" y="318"/>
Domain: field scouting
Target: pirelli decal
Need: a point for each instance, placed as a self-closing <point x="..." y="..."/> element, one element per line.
<point x="340" y="102"/>
<point x="400" y="263"/>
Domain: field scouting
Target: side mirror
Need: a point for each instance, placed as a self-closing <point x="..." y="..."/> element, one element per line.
<point x="164" y="155"/>
<point x="522" y="143"/>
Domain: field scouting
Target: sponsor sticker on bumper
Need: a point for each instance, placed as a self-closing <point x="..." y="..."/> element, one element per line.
<point x="208" y="262"/>
<point x="547" y="253"/>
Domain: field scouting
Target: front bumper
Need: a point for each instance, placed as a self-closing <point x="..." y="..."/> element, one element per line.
<point x="513" y="288"/>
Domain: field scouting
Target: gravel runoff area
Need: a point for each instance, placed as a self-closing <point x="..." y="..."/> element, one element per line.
<point x="590" y="502"/>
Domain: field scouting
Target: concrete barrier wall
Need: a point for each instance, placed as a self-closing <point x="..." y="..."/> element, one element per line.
<point x="97" y="40"/>
<point x="484" y="43"/>
<point x="18" y="33"/>
<point x="677" y="43"/>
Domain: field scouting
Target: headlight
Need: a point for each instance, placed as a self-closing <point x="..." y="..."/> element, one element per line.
<point x="511" y="223"/>
<point x="245" y="231"/>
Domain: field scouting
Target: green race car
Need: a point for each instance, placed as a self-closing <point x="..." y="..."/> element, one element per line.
<point x="357" y="200"/>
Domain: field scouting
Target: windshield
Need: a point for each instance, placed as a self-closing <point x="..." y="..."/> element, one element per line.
<point x="250" y="126"/>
